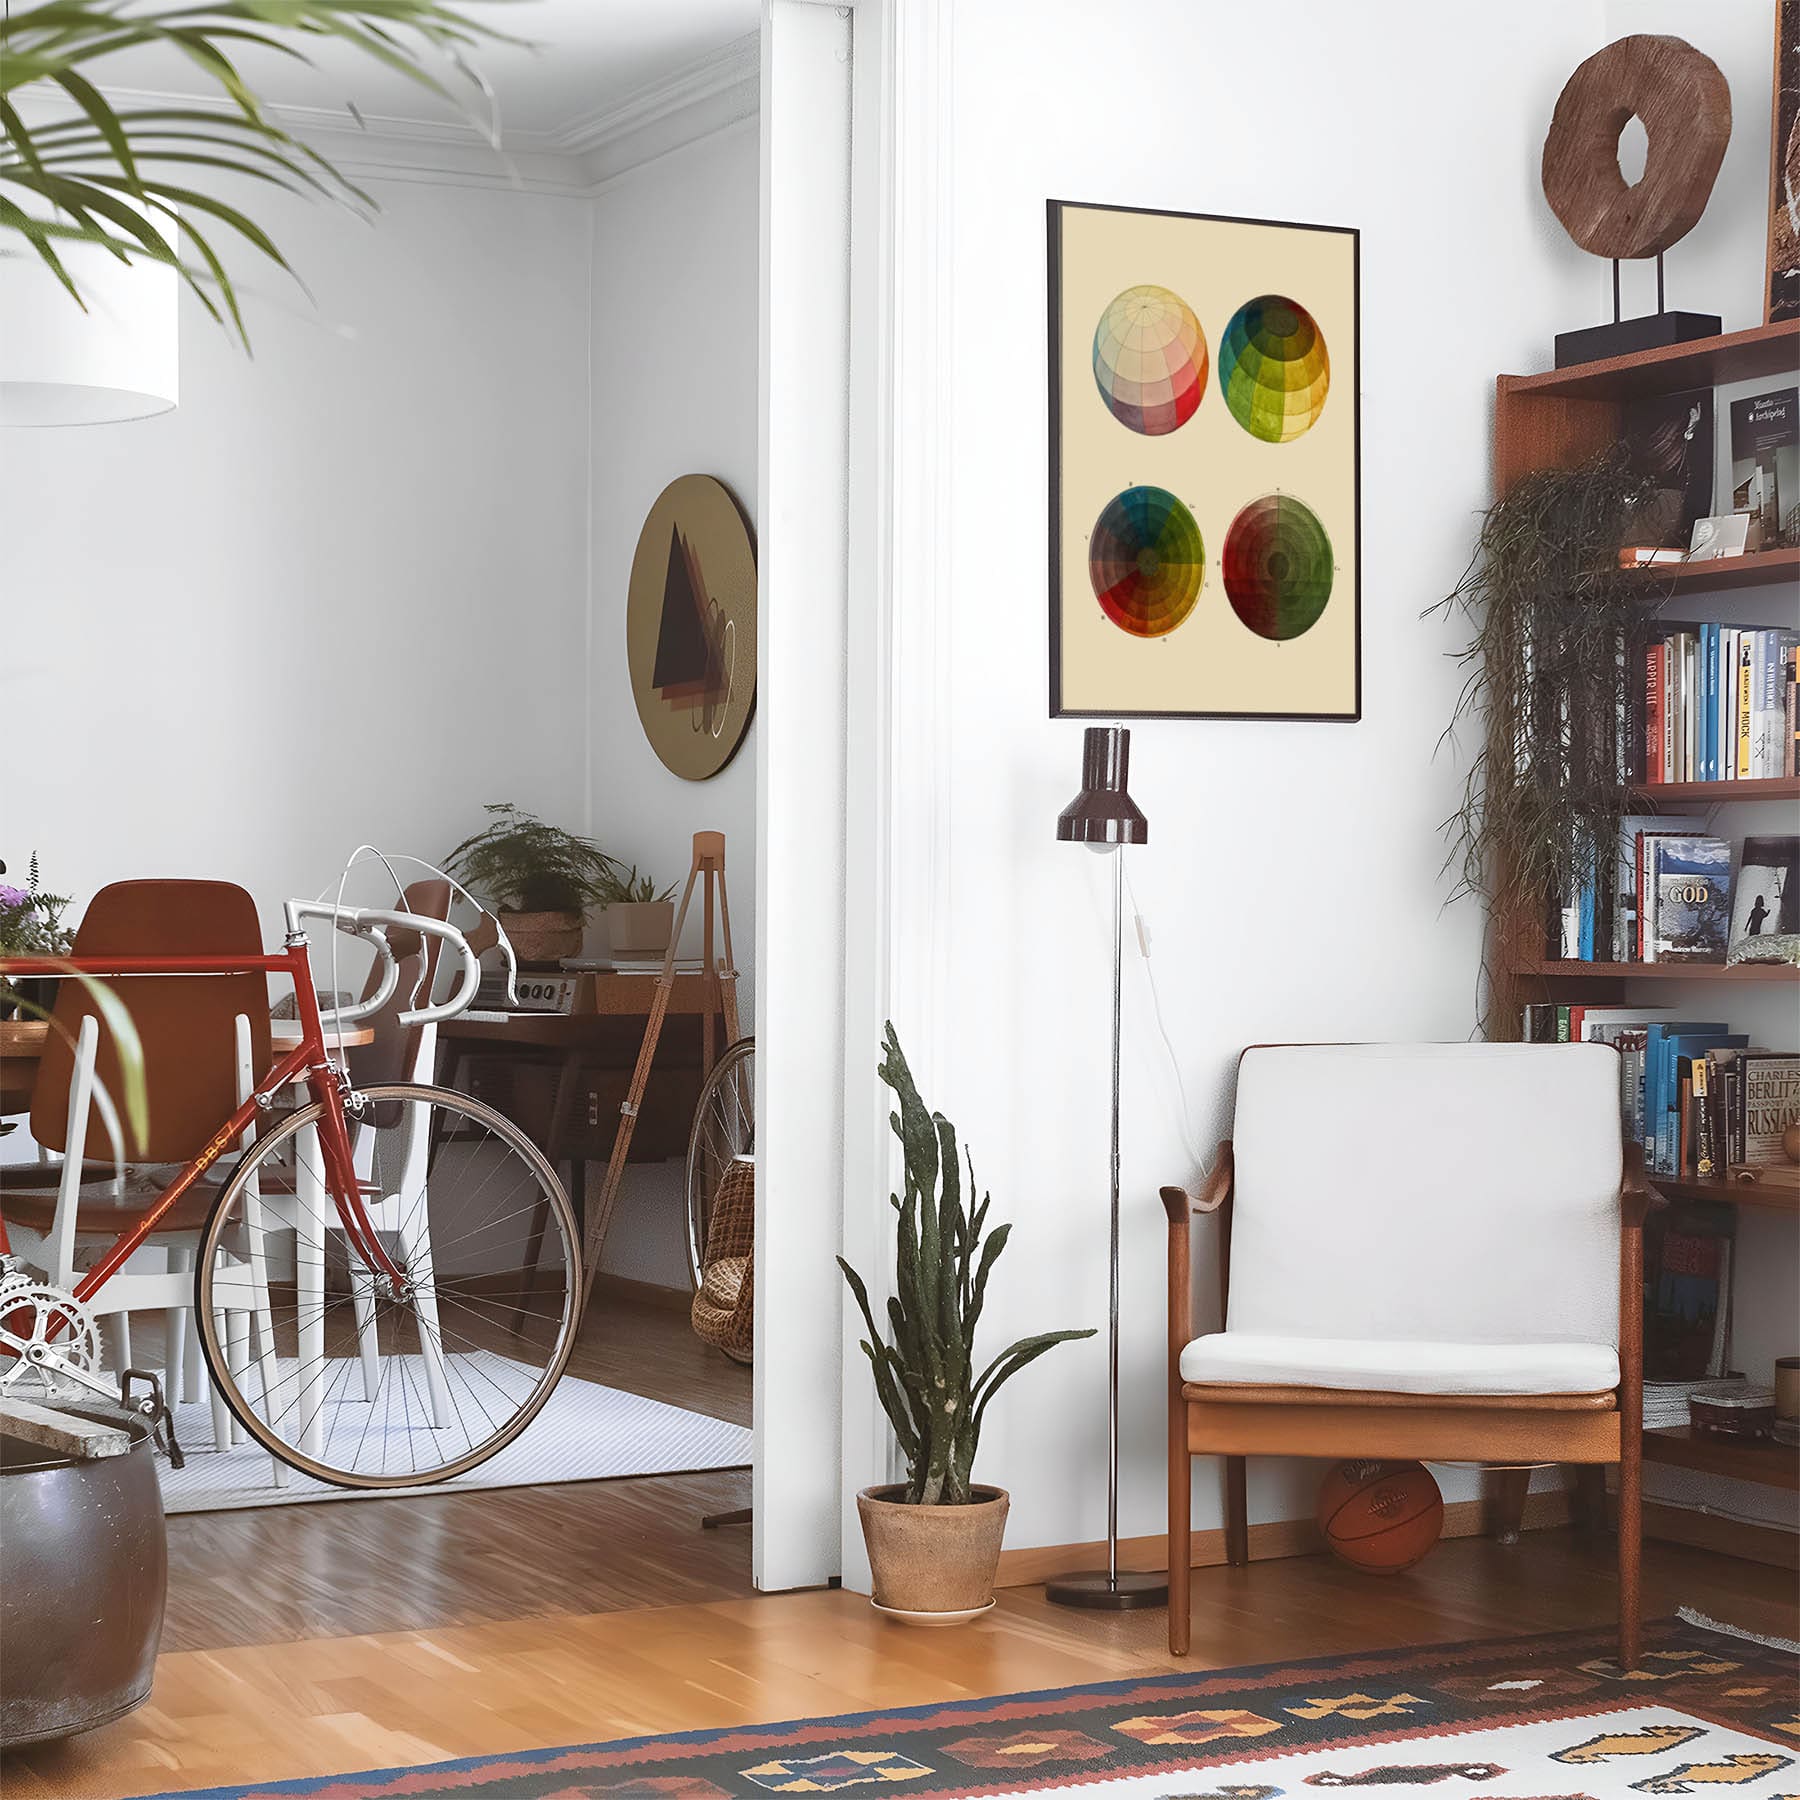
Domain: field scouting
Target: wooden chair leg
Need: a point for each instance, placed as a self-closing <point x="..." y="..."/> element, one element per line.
<point x="1237" y="1513"/>
<point x="1590" y="1500"/>
<point x="1181" y="1526"/>
<point x="1630" y="1549"/>
<point x="1506" y="1502"/>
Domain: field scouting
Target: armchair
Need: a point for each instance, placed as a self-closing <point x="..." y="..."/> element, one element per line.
<point x="1428" y="1251"/>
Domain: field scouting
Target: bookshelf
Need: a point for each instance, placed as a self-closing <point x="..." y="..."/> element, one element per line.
<point x="1754" y="1459"/>
<point x="1559" y="419"/>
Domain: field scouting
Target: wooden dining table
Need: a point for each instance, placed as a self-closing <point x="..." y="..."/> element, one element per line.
<point x="22" y="1044"/>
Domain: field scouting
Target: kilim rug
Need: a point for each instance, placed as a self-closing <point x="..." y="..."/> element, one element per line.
<point x="1542" y="1718"/>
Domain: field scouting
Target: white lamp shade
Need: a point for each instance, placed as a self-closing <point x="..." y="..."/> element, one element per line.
<point x="61" y="366"/>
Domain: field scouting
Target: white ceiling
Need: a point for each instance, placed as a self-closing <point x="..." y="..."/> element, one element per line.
<point x="588" y="59"/>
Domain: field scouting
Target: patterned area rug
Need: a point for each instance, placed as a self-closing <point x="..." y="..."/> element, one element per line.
<point x="1545" y="1718"/>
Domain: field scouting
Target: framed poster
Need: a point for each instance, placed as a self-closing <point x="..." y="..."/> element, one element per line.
<point x="1784" y="169"/>
<point x="1205" y="505"/>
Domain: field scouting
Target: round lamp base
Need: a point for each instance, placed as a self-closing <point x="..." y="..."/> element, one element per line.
<point x="1095" y="1590"/>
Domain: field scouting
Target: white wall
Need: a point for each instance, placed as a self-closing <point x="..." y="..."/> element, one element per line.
<point x="376" y="527"/>
<point x="674" y="347"/>
<point x="1292" y="879"/>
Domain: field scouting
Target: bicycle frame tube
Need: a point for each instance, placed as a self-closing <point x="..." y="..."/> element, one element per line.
<point x="308" y="1059"/>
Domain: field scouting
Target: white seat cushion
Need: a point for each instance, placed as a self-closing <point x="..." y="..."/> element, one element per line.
<point x="1395" y="1366"/>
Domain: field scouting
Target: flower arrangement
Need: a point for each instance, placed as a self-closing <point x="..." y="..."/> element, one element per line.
<point x="30" y="925"/>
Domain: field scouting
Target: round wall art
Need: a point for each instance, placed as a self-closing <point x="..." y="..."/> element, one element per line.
<point x="1150" y="360"/>
<point x="690" y="626"/>
<point x="1273" y="368"/>
<point x="1278" y="567"/>
<point x="1146" y="561"/>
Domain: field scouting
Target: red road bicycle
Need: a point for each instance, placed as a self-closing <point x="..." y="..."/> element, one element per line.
<point x="387" y="1281"/>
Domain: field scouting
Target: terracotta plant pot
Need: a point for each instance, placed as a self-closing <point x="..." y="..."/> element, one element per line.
<point x="542" y="939"/>
<point x="640" y="928"/>
<point x="933" y="1564"/>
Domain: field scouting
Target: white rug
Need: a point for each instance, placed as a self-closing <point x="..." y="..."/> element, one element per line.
<point x="586" y="1432"/>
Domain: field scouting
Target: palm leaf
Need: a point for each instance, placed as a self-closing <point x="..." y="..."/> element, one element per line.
<point x="78" y="169"/>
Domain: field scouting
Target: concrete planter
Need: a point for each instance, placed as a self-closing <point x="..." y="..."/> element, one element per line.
<point x="542" y="939"/>
<point x="640" y="928"/>
<point x="933" y="1565"/>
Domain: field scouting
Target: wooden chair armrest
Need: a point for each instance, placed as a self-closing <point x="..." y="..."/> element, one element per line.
<point x="1179" y="1204"/>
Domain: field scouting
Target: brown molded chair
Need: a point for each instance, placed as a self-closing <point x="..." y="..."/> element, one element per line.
<point x="196" y="1033"/>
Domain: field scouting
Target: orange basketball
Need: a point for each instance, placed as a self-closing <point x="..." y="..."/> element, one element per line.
<point x="1380" y="1517"/>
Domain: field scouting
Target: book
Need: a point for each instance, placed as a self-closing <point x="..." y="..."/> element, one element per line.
<point x="1687" y="1302"/>
<point x="1633" y="828"/>
<point x="1770" y="651"/>
<point x="1669" y="438"/>
<point x="1766" y="897"/>
<point x="1765" y="459"/>
<point x="1688" y="880"/>
<point x="1741" y="762"/>
<point x="1768" y="1103"/>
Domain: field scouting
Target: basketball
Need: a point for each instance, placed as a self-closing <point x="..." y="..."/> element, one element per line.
<point x="1380" y="1517"/>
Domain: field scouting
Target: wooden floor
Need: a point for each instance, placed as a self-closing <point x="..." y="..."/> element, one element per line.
<point x="334" y="1568"/>
<point x="315" y="1640"/>
<point x="336" y="1704"/>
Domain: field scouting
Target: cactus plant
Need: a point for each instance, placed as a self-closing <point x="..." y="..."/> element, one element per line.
<point x="925" y="1376"/>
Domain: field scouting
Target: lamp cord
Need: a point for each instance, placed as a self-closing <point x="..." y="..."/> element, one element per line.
<point x="1184" y="1112"/>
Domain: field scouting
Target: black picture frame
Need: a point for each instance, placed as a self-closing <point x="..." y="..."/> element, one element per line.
<point x="1055" y="209"/>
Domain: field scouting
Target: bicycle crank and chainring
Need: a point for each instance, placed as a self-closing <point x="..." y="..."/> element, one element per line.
<point x="47" y="1339"/>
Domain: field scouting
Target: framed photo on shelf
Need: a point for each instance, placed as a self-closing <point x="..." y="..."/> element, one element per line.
<point x="1205" y="528"/>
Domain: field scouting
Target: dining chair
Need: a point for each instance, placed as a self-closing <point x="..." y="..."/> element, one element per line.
<point x="1425" y="1251"/>
<point x="203" y="1041"/>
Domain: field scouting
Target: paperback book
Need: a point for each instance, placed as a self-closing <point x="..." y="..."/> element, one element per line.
<point x="1766" y="899"/>
<point x="1688" y="889"/>
<point x="1765" y="459"/>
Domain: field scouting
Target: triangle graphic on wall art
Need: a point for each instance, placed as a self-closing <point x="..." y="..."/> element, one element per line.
<point x="688" y="669"/>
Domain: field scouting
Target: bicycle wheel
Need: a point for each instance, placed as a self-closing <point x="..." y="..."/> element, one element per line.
<point x="333" y="1367"/>
<point x="724" y="1126"/>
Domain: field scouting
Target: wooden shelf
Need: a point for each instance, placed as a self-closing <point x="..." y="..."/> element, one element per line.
<point x="1657" y="971"/>
<point x="1759" y="568"/>
<point x="1764" y="350"/>
<point x="1775" y="787"/>
<point x="1770" y="1198"/>
<point x="1753" y="1459"/>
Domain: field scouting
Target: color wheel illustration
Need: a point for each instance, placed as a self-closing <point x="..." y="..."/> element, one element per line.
<point x="1277" y="567"/>
<point x="1273" y="368"/>
<point x="1146" y="561"/>
<point x="1150" y="360"/>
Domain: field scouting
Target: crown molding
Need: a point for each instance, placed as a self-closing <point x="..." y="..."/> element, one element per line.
<point x="706" y="96"/>
<point x="725" y="73"/>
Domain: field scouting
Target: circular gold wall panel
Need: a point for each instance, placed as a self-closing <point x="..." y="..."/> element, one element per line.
<point x="690" y="626"/>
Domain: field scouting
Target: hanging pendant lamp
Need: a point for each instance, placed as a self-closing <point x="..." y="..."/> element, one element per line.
<point x="59" y="365"/>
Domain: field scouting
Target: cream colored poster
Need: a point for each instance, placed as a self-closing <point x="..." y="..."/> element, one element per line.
<point x="1203" y="466"/>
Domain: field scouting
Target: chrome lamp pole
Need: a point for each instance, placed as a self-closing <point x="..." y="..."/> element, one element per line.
<point x="1105" y="818"/>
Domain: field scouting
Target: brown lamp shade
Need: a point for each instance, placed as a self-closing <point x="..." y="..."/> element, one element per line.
<point x="1103" y="812"/>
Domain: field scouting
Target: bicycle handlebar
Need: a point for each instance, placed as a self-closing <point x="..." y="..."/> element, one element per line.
<point x="373" y="925"/>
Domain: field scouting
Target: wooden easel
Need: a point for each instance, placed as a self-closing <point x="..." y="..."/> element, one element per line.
<point x="720" y="977"/>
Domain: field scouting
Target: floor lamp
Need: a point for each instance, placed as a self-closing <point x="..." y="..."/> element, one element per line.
<point x="1104" y="817"/>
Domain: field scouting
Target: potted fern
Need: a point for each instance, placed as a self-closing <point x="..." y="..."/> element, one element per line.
<point x="542" y="878"/>
<point x="934" y="1539"/>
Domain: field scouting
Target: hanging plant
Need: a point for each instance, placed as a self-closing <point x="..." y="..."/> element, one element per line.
<point x="1549" y="681"/>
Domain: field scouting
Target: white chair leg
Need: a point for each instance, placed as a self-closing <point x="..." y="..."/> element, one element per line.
<point x="115" y="1333"/>
<point x="193" y="1361"/>
<point x="175" y="1329"/>
<point x="309" y="1269"/>
<point x="222" y="1421"/>
<point x="415" y="1255"/>
<point x="237" y="1359"/>
<point x="368" y="1343"/>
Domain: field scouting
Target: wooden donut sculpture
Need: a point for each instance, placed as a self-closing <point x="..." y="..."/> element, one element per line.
<point x="1684" y="102"/>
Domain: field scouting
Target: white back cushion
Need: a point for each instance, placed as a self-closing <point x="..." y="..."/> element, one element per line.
<point x="1457" y="1192"/>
